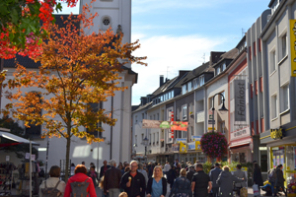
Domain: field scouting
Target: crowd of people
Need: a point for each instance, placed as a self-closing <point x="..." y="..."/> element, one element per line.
<point x="152" y="180"/>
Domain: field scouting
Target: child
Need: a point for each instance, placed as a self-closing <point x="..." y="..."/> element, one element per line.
<point x="123" y="194"/>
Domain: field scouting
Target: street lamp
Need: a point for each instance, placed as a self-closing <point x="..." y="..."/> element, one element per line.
<point x="222" y="109"/>
<point x="145" y="143"/>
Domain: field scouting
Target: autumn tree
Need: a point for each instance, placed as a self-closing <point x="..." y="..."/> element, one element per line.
<point x="24" y="23"/>
<point x="76" y="70"/>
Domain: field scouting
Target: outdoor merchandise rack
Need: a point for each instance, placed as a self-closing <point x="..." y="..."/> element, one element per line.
<point x="6" y="178"/>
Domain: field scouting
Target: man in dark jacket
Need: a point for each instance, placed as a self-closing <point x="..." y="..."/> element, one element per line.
<point x="201" y="184"/>
<point x="171" y="176"/>
<point x="104" y="168"/>
<point x="190" y="173"/>
<point x="112" y="180"/>
<point x="133" y="182"/>
<point x="214" y="174"/>
<point x="279" y="181"/>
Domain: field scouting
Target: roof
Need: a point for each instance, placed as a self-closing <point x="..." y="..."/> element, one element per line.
<point x="229" y="55"/>
<point x="142" y="107"/>
<point x="195" y="73"/>
<point x="164" y="87"/>
<point x="15" y="138"/>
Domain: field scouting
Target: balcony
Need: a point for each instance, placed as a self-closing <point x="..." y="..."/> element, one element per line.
<point x="200" y="116"/>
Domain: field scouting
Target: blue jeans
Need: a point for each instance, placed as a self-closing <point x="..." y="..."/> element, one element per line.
<point x="272" y="187"/>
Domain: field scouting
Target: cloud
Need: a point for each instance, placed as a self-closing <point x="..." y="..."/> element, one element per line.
<point x="140" y="6"/>
<point x="169" y="53"/>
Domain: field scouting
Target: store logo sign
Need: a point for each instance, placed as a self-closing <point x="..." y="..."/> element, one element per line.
<point x="277" y="133"/>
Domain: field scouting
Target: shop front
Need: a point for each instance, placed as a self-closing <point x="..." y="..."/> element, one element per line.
<point x="240" y="146"/>
<point x="281" y="145"/>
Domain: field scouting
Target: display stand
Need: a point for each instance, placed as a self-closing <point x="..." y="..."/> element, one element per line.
<point x="6" y="178"/>
<point x="25" y="179"/>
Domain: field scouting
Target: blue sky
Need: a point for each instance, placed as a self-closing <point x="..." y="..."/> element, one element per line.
<point x="179" y="35"/>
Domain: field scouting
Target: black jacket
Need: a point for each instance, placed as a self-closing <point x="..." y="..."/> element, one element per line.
<point x="112" y="178"/>
<point x="138" y="184"/>
<point x="189" y="175"/>
<point x="171" y="176"/>
<point x="164" y="186"/>
<point x="257" y="177"/>
<point x="279" y="181"/>
<point x="102" y="173"/>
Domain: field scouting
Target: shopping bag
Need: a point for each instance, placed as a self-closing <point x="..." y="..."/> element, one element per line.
<point x="243" y="192"/>
<point x="256" y="190"/>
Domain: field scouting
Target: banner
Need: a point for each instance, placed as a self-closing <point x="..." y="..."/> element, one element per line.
<point x="239" y="100"/>
<point x="183" y="148"/>
<point x="293" y="47"/>
<point x="172" y="125"/>
<point x="194" y="145"/>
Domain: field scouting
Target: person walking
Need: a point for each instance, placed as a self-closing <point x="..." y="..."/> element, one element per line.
<point x="257" y="176"/>
<point x="279" y="182"/>
<point x="141" y="170"/>
<point x="272" y="179"/>
<point x="225" y="182"/>
<point x="190" y="173"/>
<point x="93" y="175"/>
<point x="81" y="177"/>
<point x="166" y="168"/>
<point x="157" y="185"/>
<point x="112" y="180"/>
<point x="241" y="175"/>
<point x="133" y="182"/>
<point x="214" y="174"/>
<point x="201" y="184"/>
<point x="171" y="176"/>
<point x="104" y="168"/>
<point x="53" y="182"/>
<point x="181" y="186"/>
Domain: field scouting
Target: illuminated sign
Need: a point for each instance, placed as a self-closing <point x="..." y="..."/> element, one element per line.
<point x="277" y="133"/>
<point x="293" y="47"/>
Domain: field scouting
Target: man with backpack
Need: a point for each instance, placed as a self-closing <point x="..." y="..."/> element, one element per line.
<point x="80" y="184"/>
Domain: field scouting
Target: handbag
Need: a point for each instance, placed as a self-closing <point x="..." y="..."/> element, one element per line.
<point x="256" y="190"/>
<point x="243" y="192"/>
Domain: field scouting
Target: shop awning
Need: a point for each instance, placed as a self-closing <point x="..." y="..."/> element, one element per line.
<point x="16" y="138"/>
<point x="240" y="143"/>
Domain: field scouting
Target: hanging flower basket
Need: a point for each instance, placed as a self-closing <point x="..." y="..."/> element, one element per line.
<point x="214" y="144"/>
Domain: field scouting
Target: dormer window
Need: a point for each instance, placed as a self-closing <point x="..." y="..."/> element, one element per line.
<point x="223" y="67"/>
<point x="201" y="80"/>
<point x="184" y="89"/>
<point x="218" y="70"/>
<point x="189" y="85"/>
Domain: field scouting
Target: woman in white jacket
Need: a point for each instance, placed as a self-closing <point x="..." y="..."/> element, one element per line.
<point x="52" y="181"/>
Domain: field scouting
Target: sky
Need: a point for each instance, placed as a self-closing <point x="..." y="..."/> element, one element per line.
<point x="179" y="35"/>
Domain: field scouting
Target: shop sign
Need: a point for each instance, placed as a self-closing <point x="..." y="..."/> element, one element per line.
<point x="179" y="140"/>
<point x="183" y="148"/>
<point x="194" y="145"/>
<point x="240" y="99"/>
<point x="245" y="132"/>
<point x="293" y="47"/>
<point x="276" y="133"/>
<point x="175" y="147"/>
<point x="196" y="137"/>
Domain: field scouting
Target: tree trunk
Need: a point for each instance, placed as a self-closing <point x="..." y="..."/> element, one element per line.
<point x="67" y="158"/>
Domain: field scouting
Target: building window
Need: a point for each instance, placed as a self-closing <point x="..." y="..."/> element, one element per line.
<point x="284" y="45"/>
<point x="184" y="134"/>
<point x="184" y="112"/>
<point x="272" y="61"/>
<point x="201" y="80"/>
<point x="136" y="140"/>
<point x="106" y="21"/>
<point x="94" y="108"/>
<point x="191" y="131"/>
<point x="286" y="100"/>
<point x="157" y="137"/>
<point x="222" y="127"/>
<point x="189" y="86"/>
<point x="150" y="117"/>
<point x="150" y="139"/>
<point x="154" y="117"/>
<point x="184" y="89"/>
<point x="143" y="116"/>
<point x="274" y="106"/>
<point x="218" y="70"/>
<point x="136" y="119"/>
<point x="195" y="83"/>
<point x="224" y="67"/>
<point x="221" y="98"/>
<point x="153" y="138"/>
<point x="157" y="116"/>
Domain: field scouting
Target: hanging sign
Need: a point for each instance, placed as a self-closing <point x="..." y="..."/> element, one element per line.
<point x="183" y="148"/>
<point x="157" y="124"/>
<point x="240" y="100"/>
<point x="277" y="133"/>
<point x="293" y="47"/>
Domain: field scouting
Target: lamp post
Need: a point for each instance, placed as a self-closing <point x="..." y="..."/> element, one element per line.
<point x="223" y="108"/>
<point x="145" y="143"/>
